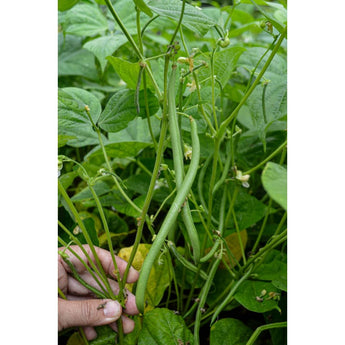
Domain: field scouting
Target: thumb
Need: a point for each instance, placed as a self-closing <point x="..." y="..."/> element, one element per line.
<point x="93" y="312"/>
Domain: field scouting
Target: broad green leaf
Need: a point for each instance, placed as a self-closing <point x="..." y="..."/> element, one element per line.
<point x="64" y="5"/>
<point x="137" y="130"/>
<point x="225" y="62"/>
<point x="85" y="20"/>
<point x="274" y="268"/>
<point x="105" y="46"/>
<point x="143" y="7"/>
<point x="229" y="332"/>
<point x="163" y="327"/>
<point x="248" y="209"/>
<point x="63" y="139"/>
<point x="267" y="104"/>
<point x="127" y="71"/>
<point x="121" y="109"/>
<point x="274" y="180"/>
<point x="249" y="293"/>
<point x="77" y="63"/>
<point x="75" y="339"/>
<point x="193" y="17"/>
<point x="72" y="117"/>
<point x="159" y="278"/>
<point x="100" y="188"/>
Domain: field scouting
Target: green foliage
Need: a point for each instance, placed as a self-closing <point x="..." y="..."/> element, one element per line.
<point x="229" y="332"/>
<point x="274" y="180"/>
<point x="162" y="327"/>
<point x="117" y="178"/>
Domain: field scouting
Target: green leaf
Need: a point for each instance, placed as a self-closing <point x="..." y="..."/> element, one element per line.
<point x="63" y="139"/>
<point x="72" y="117"/>
<point x="118" y="150"/>
<point x="136" y="130"/>
<point x="127" y="71"/>
<point x="274" y="268"/>
<point x="193" y="17"/>
<point x="121" y="109"/>
<point x="225" y="62"/>
<point x="100" y="188"/>
<point x="85" y="20"/>
<point x="64" y="5"/>
<point x="248" y="292"/>
<point x="229" y="332"/>
<point x="104" y="46"/>
<point x="77" y="63"/>
<point x="274" y="180"/>
<point x="273" y="98"/>
<point x="143" y="7"/>
<point x="162" y="327"/>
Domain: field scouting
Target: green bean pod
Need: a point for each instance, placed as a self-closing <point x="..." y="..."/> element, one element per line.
<point x="178" y="165"/>
<point x="169" y="219"/>
<point x="185" y="262"/>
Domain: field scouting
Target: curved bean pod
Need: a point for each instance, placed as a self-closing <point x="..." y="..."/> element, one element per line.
<point x="169" y="219"/>
<point x="178" y="165"/>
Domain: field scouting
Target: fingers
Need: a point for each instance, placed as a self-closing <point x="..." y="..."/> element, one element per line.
<point x="105" y="259"/>
<point x="127" y="324"/>
<point x="87" y="312"/>
<point x="76" y="289"/>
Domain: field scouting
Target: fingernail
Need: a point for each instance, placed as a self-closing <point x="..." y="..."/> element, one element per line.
<point x="112" y="309"/>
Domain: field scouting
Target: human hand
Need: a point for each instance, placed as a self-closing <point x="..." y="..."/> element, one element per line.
<point x="81" y="308"/>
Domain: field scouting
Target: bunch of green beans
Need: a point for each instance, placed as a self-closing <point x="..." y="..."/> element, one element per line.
<point x="171" y="216"/>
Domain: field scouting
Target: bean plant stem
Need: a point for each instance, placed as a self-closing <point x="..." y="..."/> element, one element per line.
<point x="203" y="296"/>
<point x="131" y="41"/>
<point x="257" y="332"/>
<point x="267" y="159"/>
<point x="230" y="295"/>
<point x="268" y="209"/>
<point x="94" y="275"/>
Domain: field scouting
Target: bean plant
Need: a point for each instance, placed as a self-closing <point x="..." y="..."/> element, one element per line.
<point x="172" y="139"/>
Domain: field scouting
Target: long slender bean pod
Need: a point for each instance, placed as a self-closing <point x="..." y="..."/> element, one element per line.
<point x="178" y="165"/>
<point x="169" y="219"/>
<point x="185" y="262"/>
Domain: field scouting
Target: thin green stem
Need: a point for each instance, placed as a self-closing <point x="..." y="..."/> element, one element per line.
<point x="281" y="223"/>
<point x="262" y="328"/>
<point x="230" y="295"/>
<point x="201" y="107"/>
<point x="81" y="226"/>
<point x="268" y="209"/>
<point x="274" y="242"/>
<point x="95" y="272"/>
<point x="213" y="98"/>
<point x="203" y="297"/>
<point x="179" y="23"/>
<point x="267" y="159"/>
<point x="131" y="41"/>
